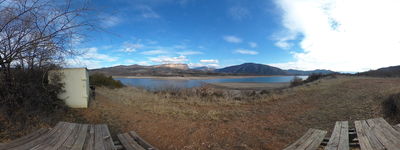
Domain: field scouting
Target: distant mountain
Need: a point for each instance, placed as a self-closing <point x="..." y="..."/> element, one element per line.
<point x="393" y="71"/>
<point x="301" y="72"/>
<point x="205" y="68"/>
<point x="157" y="70"/>
<point x="184" y="70"/>
<point x="175" y="66"/>
<point x="252" y="69"/>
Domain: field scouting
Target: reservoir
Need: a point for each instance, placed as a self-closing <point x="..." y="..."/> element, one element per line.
<point x="159" y="84"/>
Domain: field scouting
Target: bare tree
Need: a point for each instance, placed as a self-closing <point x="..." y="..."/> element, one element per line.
<point x="36" y="34"/>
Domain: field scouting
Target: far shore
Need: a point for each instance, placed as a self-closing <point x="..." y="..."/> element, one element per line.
<point x="194" y="77"/>
<point x="251" y="86"/>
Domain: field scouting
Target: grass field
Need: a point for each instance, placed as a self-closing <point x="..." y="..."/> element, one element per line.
<point x="215" y="118"/>
<point x="183" y="120"/>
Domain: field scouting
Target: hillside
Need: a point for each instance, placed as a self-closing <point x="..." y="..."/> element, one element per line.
<point x="252" y="69"/>
<point x="393" y="71"/>
<point x="301" y="72"/>
<point x="184" y="70"/>
<point x="159" y="70"/>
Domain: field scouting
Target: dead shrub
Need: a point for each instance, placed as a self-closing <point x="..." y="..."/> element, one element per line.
<point x="391" y="107"/>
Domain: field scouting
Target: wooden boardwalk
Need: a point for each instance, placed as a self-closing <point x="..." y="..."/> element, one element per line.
<point x="371" y="134"/>
<point x="73" y="136"/>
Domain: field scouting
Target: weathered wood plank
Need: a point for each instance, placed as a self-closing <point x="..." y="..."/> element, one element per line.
<point x="371" y="134"/>
<point x="397" y="127"/>
<point x="385" y="133"/>
<point x="89" y="142"/>
<point x="108" y="141"/>
<point x="128" y="142"/>
<point x="340" y="137"/>
<point x="141" y="141"/>
<point x="309" y="141"/>
<point x="36" y="142"/>
<point x="98" y="138"/>
<point x="363" y="139"/>
<point x="125" y="142"/>
<point x="301" y="140"/>
<point x="81" y="137"/>
<point x="71" y="138"/>
<point x="62" y="137"/>
<point x="24" y="139"/>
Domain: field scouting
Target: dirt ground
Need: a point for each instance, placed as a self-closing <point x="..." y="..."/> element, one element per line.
<point x="272" y="122"/>
<point x="217" y="119"/>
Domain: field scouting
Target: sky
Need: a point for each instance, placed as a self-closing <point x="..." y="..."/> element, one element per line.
<point x="340" y="35"/>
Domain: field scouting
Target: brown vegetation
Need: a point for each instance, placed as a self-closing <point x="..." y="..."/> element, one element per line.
<point x="208" y="118"/>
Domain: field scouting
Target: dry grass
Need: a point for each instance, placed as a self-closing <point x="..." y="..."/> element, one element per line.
<point x="229" y="119"/>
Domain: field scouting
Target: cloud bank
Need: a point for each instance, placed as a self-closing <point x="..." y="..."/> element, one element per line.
<point x="354" y="35"/>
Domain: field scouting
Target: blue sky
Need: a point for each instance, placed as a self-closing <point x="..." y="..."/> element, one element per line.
<point x="218" y="33"/>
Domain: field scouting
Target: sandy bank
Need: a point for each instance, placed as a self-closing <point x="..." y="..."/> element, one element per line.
<point x="256" y="86"/>
<point x="189" y="78"/>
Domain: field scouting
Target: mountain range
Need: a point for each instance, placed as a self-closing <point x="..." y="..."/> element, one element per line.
<point x="184" y="70"/>
<point x="393" y="71"/>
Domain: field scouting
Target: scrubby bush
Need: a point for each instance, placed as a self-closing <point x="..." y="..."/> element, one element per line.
<point x="313" y="77"/>
<point x="29" y="93"/>
<point x="296" y="81"/>
<point x="99" y="79"/>
<point x="391" y="107"/>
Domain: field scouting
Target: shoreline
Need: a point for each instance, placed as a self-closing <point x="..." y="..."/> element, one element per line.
<point x="195" y="77"/>
<point x="250" y="85"/>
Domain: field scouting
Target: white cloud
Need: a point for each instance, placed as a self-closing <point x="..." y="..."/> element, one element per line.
<point x="194" y="65"/>
<point x="341" y="35"/>
<point x="179" y="47"/>
<point x="109" y="21"/>
<point x="90" y="58"/>
<point x="209" y="61"/>
<point x="154" y="52"/>
<point x="166" y="59"/>
<point x="245" y="51"/>
<point x="238" y="12"/>
<point x="189" y="53"/>
<point x="129" y="47"/>
<point x="130" y="61"/>
<point x="253" y="44"/>
<point x="232" y="39"/>
<point x="147" y="12"/>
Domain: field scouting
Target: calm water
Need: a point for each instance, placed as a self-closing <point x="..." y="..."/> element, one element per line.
<point x="156" y="84"/>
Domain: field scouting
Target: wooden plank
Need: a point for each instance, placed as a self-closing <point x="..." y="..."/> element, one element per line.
<point x="380" y="135"/>
<point x="81" y="137"/>
<point x="129" y="143"/>
<point x="301" y="140"/>
<point x="108" y="141"/>
<point x="317" y="141"/>
<point x="141" y="141"/>
<point x="36" y="142"/>
<point x="344" y="136"/>
<point x="340" y="137"/>
<point x="62" y="137"/>
<point x="51" y="140"/>
<point x="375" y="143"/>
<point x="309" y="141"/>
<point x="71" y="139"/>
<point x="98" y="138"/>
<point x="365" y="143"/>
<point x="24" y="139"/>
<point x="89" y="142"/>
<point x="385" y="133"/>
<point x="397" y="127"/>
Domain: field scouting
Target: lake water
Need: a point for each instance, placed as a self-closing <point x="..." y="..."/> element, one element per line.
<point x="158" y="84"/>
